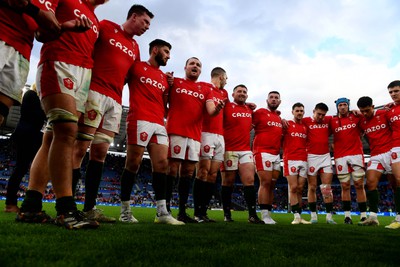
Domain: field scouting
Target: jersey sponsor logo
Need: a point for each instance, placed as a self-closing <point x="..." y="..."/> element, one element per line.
<point x="268" y="164"/>
<point x="206" y="148"/>
<point x="340" y="168"/>
<point x="301" y="135"/>
<point x="312" y="169"/>
<point x="79" y="14"/>
<point x="177" y="149"/>
<point x="395" y="118"/>
<point x="47" y="4"/>
<point x="241" y="115"/>
<point x="92" y="114"/>
<point x="274" y="123"/>
<point x="293" y="169"/>
<point x="394" y="155"/>
<point x="143" y="136"/>
<point x="190" y="93"/>
<point x="229" y="163"/>
<point x="318" y="126"/>
<point x="345" y="127"/>
<point x="123" y="48"/>
<point x="375" y="128"/>
<point x="68" y="83"/>
<point x="153" y="83"/>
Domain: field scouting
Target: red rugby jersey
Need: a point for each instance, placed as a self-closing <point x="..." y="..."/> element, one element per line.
<point x="294" y="141"/>
<point x="148" y="86"/>
<point x="214" y="124"/>
<point x="114" y="53"/>
<point x="378" y="132"/>
<point x="346" y="136"/>
<point x="394" y="118"/>
<point x="317" y="135"/>
<point x="268" y="131"/>
<point x="17" y="30"/>
<point x="187" y="101"/>
<point x="71" y="47"/>
<point x="237" y="127"/>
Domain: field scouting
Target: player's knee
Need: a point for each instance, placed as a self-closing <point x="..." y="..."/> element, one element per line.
<point x="81" y="136"/>
<point x="160" y="166"/>
<point x="58" y="115"/>
<point x="100" y="138"/>
<point x="293" y="189"/>
<point x="326" y="190"/>
<point x="358" y="174"/>
<point x="344" y="178"/>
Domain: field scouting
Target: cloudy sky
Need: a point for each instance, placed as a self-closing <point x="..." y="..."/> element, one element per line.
<point x="310" y="50"/>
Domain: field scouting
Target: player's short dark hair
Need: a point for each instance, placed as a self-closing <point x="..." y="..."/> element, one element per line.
<point x="321" y="106"/>
<point x="140" y="10"/>
<point x="364" y="102"/>
<point x="394" y="84"/>
<point x="274" y="92"/>
<point x="217" y="71"/>
<point x="190" y="59"/>
<point x="297" y="105"/>
<point x="239" y="85"/>
<point x="158" y="43"/>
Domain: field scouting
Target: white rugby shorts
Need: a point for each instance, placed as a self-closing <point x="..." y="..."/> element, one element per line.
<point x="319" y="164"/>
<point x="143" y="132"/>
<point x="267" y="162"/>
<point x="183" y="148"/>
<point x="345" y="165"/>
<point x="14" y="69"/>
<point x="212" y="146"/>
<point x="103" y="111"/>
<point x="380" y="163"/>
<point x="232" y="159"/>
<point x="295" y="167"/>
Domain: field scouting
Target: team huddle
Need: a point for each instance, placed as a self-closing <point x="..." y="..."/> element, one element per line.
<point x="189" y="128"/>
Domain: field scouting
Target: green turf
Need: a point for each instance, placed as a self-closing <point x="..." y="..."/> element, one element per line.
<point x="219" y="244"/>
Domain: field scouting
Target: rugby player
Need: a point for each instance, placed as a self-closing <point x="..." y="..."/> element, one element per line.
<point x="319" y="161"/>
<point x="349" y="157"/>
<point x="114" y="53"/>
<point x="266" y="147"/>
<point x="62" y="80"/>
<point x="295" y="160"/>
<point x="394" y="118"/>
<point x="238" y="157"/>
<point x="375" y="126"/>
<point x="212" y="149"/>
<point x="148" y="89"/>
<point x="187" y="101"/>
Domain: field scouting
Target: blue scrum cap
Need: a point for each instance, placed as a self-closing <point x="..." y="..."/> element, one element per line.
<point x="342" y="100"/>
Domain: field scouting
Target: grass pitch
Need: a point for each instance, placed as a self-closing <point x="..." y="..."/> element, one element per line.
<point x="217" y="244"/>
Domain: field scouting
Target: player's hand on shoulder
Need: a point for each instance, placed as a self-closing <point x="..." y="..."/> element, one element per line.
<point x="356" y="112"/>
<point x="170" y="77"/>
<point x="252" y="106"/>
<point x="285" y="124"/>
<point x="77" y="25"/>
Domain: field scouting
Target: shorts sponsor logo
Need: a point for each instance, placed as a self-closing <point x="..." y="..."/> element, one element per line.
<point x="68" y="83"/>
<point x="340" y="168"/>
<point x="268" y="164"/>
<point x="394" y="155"/>
<point x="293" y="169"/>
<point x="177" y="149"/>
<point x="229" y="163"/>
<point x="143" y="136"/>
<point x="92" y="114"/>
<point x="312" y="169"/>
<point x="207" y="148"/>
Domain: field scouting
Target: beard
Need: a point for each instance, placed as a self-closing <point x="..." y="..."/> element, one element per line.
<point x="160" y="61"/>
